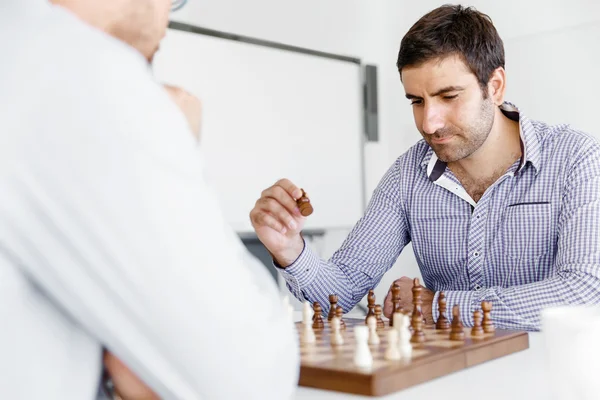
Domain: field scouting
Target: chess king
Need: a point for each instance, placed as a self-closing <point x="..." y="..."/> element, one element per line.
<point x="498" y="207"/>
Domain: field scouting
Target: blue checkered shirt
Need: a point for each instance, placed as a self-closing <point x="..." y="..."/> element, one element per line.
<point x="532" y="241"/>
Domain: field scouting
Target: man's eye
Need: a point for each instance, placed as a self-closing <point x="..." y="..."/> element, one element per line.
<point x="413" y="102"/>
<point x="451" y="97"/>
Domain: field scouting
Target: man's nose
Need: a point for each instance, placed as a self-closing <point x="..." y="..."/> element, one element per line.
<point x="432" y="120"/>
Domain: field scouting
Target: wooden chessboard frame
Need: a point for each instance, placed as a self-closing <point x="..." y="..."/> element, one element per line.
<point x="394" y="376"/>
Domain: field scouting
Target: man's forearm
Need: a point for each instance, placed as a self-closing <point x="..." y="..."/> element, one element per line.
<point x="519" y="307"/>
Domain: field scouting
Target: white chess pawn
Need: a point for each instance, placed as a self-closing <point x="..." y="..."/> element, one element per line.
<point x="373" y="336"/>
<point x="308" y="334"/>
<point x="404" y="344"/>
<point x="362" y="354"/>
<point x="336" y="336"/>
<point x="392" y="352"/>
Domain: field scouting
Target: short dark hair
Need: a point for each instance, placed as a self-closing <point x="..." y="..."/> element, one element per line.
<point x="454" y="30"/>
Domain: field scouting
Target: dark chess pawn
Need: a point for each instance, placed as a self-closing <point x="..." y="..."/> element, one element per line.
<point x="418" y="336"/>
<point x="378" y="313"/>
<point x="339" y="312"/>
<point x="442" y="321"/>
<point x="333" y="299"/>
<point x="457" y="331"/>
<point x="370" y="305"/>
<point x="488" y="326"/>
<point x="477" y="330"/>
<point x="304" y="204"/>
<point x="317" y="316"/>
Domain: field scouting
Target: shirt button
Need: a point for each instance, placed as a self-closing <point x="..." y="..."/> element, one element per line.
<point x="477" y="287"/>
<point x="476" y="254"/>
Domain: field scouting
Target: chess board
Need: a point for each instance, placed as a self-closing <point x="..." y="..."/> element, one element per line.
<point x="329" y="367"/>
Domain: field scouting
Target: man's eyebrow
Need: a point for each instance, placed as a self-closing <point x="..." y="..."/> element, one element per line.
<point x="437" y="93"/>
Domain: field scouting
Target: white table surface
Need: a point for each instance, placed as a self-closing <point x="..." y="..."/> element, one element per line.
<point x="520" y="375"/>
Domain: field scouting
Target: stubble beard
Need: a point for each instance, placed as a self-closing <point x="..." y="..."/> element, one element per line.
<point x="465" y="144"/>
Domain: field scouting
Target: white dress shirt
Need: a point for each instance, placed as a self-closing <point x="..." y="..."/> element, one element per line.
<point x="109" y="237"/>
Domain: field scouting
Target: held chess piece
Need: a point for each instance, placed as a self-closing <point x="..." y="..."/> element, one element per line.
<point x="392" y="352"/>
<point x="317" y="317"/>
<point x="418" y="335"/>
<point x="378" y="313"/>
<point x="304" y="204"/>
<point x="477" y="330"/>
<point x="362" y="353"/>
<point x="457" y="331"/>
<point x="336" y="335"/>
<point x="308" y="335"/>
<point x="339" y="312"/>
<point x="442" y="322"/>
<point x="370" y="304"/>
<point x="404" y="335"/>
<point x="373" y="336"/>
<point x="488" y="326"/>
<point x="333" y="299"/>
<point x="396" y="308"/>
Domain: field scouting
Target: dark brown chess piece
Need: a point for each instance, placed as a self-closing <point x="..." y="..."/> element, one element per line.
<point x="395" y="302"/>
<point x="417" y="290"/>
<point x="339" y="312"/>
<point x="378" y="313"/>
<point x="304" y="204"/>
<point x="317" y="316"/>
<point x="418" y="336"/>
<point x="333" y="299"/>
<point x="457" y="331"/>
<point x="371" y="304"/>
<point x="488" y="325"/>
<point x="442" y="321"/>
<point x="477" y="330"/>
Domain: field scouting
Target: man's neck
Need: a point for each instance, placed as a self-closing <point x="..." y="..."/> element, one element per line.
<point x="483" y="168"/>
<point x="501" y="149"/>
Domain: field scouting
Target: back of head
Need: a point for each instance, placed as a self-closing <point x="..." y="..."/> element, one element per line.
<point x="454" y="30"/>
<point x="140" y="23"/>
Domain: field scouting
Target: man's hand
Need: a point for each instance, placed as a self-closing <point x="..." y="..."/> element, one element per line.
<point x="406" y="285"/>
<point x="189" y="105"/>
<point x="278" y="222"/>
<point x="127" y="385"/>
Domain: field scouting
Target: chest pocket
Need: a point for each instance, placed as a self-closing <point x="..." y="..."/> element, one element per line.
<point x="526" y="231"/>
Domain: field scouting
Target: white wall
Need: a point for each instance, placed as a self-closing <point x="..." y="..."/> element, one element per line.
<point x="552" y="50"/>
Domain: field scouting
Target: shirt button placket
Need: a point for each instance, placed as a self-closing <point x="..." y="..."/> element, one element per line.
<point x="476" y="245"/>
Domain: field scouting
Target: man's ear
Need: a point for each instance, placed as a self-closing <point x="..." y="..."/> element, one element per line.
<point x="497" y="86"/>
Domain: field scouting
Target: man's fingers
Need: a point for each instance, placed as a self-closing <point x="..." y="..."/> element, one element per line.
<point x="264" y="218"/>
<point x="289" y="187"/>
<point x="275" y="208"/>
<point x="283" y="197"/>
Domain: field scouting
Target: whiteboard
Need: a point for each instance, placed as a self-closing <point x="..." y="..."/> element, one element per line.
<point x="269" y="114"/>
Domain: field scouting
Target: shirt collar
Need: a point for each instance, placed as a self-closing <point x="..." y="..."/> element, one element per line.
<point x="530" y="145"/>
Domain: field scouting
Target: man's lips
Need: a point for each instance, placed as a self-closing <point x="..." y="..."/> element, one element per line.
<point x="442" y="140"/>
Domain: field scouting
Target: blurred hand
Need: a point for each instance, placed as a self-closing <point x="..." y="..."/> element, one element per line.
<point x="406" y="285"/>
<point x="189" y="105"/>
<point x="127" y="385"/>
<point x="278" y="222"/>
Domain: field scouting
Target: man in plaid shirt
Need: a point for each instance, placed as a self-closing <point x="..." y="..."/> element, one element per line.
<point x="498" y="207"/>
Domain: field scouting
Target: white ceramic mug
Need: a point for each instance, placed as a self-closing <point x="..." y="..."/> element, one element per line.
<point x="572" y="343"/>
